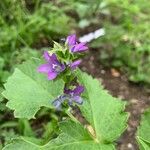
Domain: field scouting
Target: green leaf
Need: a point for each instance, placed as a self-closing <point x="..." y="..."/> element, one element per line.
<point x="101" y="110"/>
<point x="73" y="137"/>
<point x="25" y="128"/>
<point x="21" y="144"/>
<point x="1" y="97"/>
<point x="143" y="145"/>
<point x="143" y="135"/>
<point x="27" y="90"/>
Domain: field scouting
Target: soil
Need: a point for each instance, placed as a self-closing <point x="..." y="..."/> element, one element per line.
<point x="136" y="95"/>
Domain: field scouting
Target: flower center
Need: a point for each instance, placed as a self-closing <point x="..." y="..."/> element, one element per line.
<point x="57" y="68"/>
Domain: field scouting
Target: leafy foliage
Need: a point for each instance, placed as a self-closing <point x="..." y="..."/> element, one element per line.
<point x="126" y="41"/>
<point x="102" y="110"/>
<point x="23" y="25"/>
<point x="107" y="124"/>
<point x="28" y="90"/>
<point x="29" y="24"/>
<point x="73" y="136"/>
<point x="3" y="73"/>
<point x="44" y="23"/>
<point x="143" y="136"/>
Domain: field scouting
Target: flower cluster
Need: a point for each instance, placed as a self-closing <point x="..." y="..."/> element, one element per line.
<point x="55" y="66"/>
<point x="71" y="95"/>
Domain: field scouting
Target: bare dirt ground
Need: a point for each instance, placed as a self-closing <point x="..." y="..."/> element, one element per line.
<point x="137" y="97"/>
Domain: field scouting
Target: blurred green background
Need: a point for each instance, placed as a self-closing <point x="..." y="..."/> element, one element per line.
<point x="27" y="27"/>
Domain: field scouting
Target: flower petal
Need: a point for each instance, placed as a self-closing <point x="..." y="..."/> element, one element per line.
<point x="46" y="56"/>
<point x="52" y="75"/>
<point x="75" y="64"/>
<point x="45" y="68"/>
<point x="54" y="61"/>
<point x="78" y="90"/>
<point x="57" y="104"/>
<point x="67" y="91"/>
<point x="51" y="58"/>
<point x="77" y="99"/>
<point x="79" y="47"/>
<point x="71" y="40"/>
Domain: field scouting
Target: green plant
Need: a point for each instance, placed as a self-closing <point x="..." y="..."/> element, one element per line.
<point x="27" y="91"/>
<point x="22" y="26"/>
<point x="143" y="136"/>
<point x="126" y="43"/>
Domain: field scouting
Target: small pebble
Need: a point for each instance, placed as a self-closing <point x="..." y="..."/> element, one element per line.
<point x="115" y="73"/>
<point x="130" y="146"/>
<point x="103" y="71"/>
<point x="134" y="101"/>
<point x="129" y="129"/>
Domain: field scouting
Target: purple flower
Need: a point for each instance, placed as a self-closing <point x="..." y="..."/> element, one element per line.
<point x="71" y="96"/>
<point x="52" y="68"/>
<point x="75" y="64"/>
<point x="81" y="47"/>
<point x="58" y="101"/>
<point x="74" y="46"/>
<point x="71" y="40"/>
<point x="74" y="95"/>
